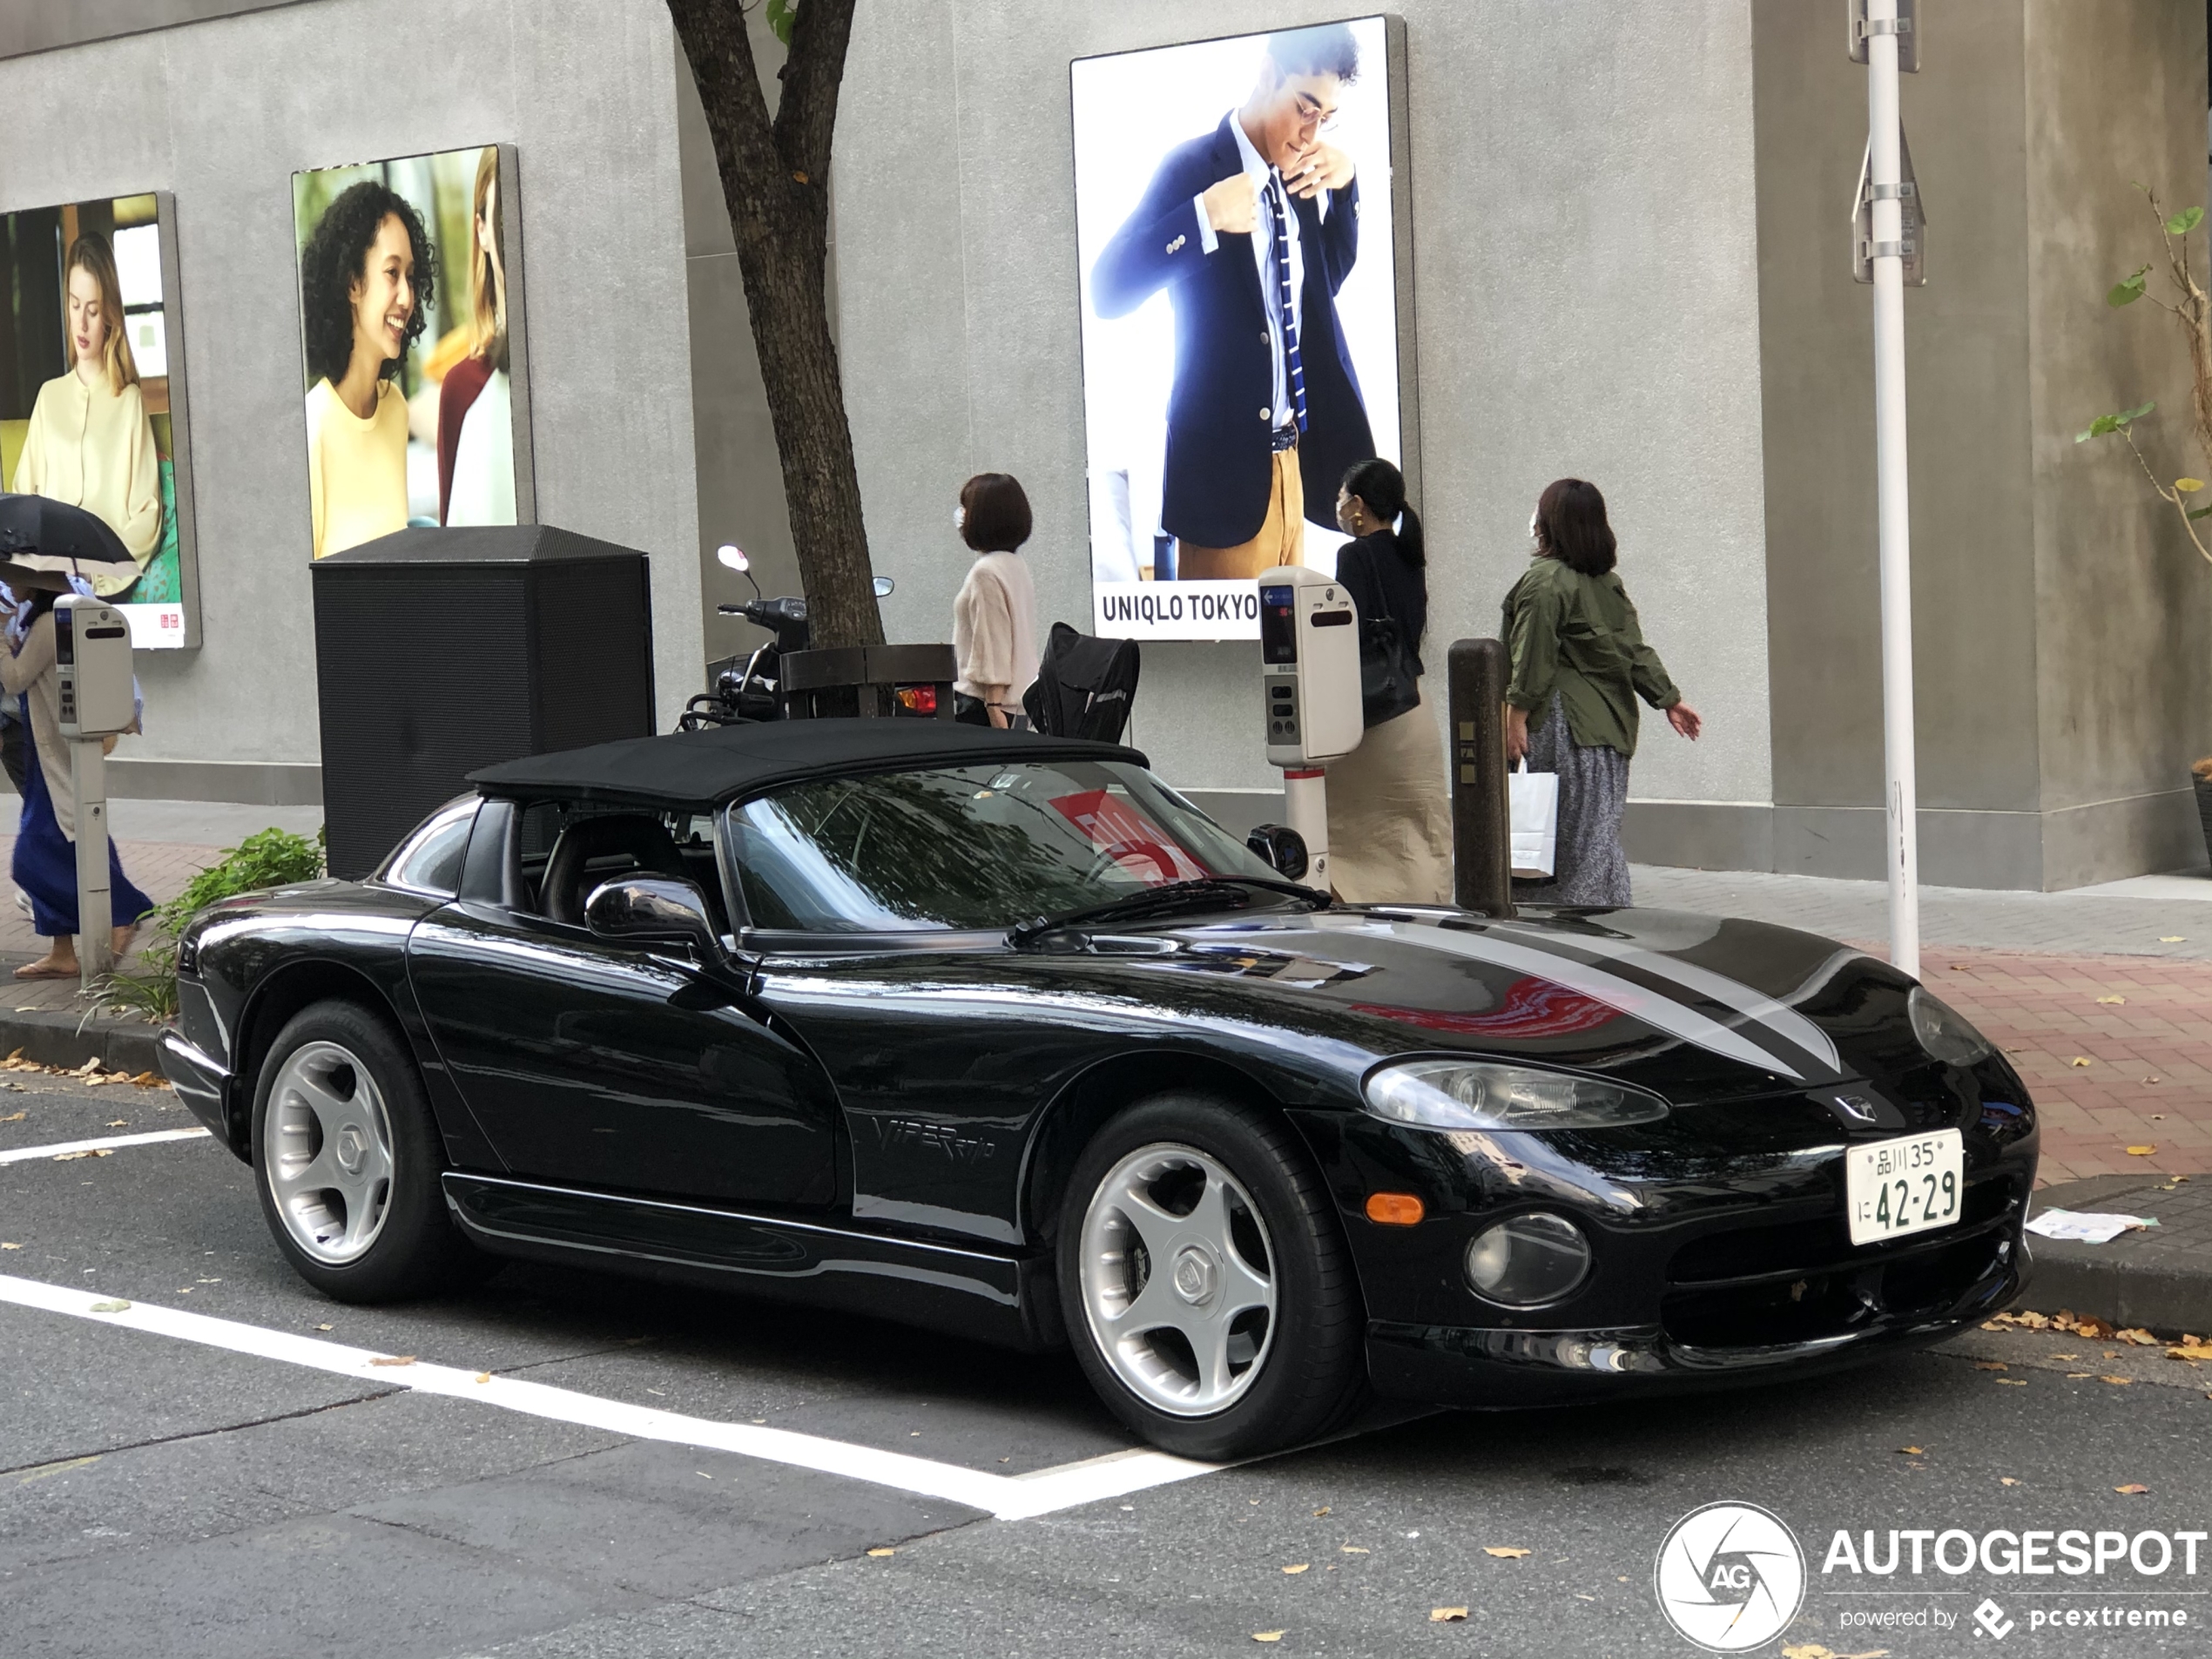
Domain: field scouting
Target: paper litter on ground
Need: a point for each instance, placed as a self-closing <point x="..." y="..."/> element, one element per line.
<point x="2085" y="1226"/>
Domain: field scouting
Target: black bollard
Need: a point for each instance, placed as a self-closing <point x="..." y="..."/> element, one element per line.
<point x="1481" y="822"/>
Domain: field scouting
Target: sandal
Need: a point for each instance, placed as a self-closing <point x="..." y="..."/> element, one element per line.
<point x="42" y="969"/>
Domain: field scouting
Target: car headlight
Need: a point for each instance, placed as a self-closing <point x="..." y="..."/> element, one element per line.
<point x="1943" y="1032"/>
<point x="1528" y="1260"/>
<point x="1482" y="1094"/>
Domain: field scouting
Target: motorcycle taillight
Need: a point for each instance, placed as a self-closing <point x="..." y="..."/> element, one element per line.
<point x="917" y="699"/>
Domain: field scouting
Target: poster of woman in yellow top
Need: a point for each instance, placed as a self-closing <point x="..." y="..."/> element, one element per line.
<point x="409" y="345"/>
<point x="90" y="401"/>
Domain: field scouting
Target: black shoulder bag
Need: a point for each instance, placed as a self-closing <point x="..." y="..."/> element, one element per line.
<point x="1388" y="684"/>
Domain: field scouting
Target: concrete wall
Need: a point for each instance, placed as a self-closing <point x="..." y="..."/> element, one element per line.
<point x="1586" y="270"/>
<point x="220" y="113"/>
<point x="2061" y="624"/>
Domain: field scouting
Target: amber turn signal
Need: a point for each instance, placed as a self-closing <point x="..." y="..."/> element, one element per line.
<point x="1395" y="1209"/>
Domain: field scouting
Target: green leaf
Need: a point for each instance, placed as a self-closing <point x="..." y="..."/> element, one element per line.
<point x="2128" y="290"/>
<point x="2123" y="418"/>
<point x="2185" y="221"/>
<point x="2200" y="512"/>
<point x="782" y="14"/>
<point x="2098" y="427"/>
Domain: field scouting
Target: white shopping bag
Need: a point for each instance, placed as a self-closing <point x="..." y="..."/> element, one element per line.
<point x="1535" y="815"/>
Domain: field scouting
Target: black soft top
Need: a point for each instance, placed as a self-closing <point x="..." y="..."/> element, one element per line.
<point x="706" y="768"/>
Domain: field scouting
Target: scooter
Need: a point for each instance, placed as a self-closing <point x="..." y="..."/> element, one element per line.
<point x="741" y="692"/>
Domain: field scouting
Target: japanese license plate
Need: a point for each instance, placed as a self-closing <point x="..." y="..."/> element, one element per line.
<point x="1911" y="1185"/>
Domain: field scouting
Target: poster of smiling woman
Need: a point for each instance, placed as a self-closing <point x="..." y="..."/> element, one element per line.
<point x="411" y="331"/>
<point x="92" y="392"/>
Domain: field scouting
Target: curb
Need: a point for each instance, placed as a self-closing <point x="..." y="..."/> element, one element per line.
<point x="53" y="1039"/>
<point x="2160" y="1280"/>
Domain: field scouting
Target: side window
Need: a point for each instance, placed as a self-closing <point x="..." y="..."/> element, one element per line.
<point x="430" y="860"/>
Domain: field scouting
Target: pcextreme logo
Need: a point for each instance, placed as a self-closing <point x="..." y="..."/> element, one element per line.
<point x="1730" y="1576"/>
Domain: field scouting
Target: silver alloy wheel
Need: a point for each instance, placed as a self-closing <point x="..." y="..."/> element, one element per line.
<point x="1179" y="1308"/>
<point x="327" y="1152"/>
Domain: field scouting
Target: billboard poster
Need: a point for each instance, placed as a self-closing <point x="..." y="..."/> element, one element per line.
<point x="411" y="334"/>
<point x="1235" y="233"/>
<point x="92" y="392"/>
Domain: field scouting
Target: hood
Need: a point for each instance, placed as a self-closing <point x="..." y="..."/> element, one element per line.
<point x="1694" y="1007"/>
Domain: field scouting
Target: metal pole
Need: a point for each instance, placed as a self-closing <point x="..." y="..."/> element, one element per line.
<point x="1306" y="808"/>
<point x="1482" y="820"/>
<point x="1892" y="495"/>
<point x="88" y="782"/>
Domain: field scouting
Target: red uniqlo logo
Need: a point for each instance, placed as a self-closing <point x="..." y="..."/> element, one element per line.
<point x="1132" y="840"/>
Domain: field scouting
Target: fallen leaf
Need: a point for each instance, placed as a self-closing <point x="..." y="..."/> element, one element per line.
<point x="1910" y="1450"/>
<point x="1504" y="1552"/>
<point x="1991" y="1364"/>
<point x="2172" y="938"/>
<point x="2112" y="1001"/>
<point x="880" y="1553"/>
<point x="2118" y="1382"/>
<point x="2081" y="1060"/>
<point x="2141" y="1152"/>
<point x="1448" y="1615"/>
<point x="120" y="1123"/>
<point x="1581" y="1597"/>
<point x="89" y="1152"/>
<point x="2133" y="1489"/>
<point x="2065" y="1356"/>
<point x="2079" y="1376"/>
<point x="1323" y="1510"/>
<point x="1269" y="1636"/>
<point x="394" y="1359"/>
<point x="323" y="1327"/>
<point x="483" y="1376"/>
<point x="14" y="1117"/>
<point x="2139" y="1336"/>
<point x="111" y="1307"/>
<point x="1299" y="1568"/>
<point x="1352" y="1549"/>
<point x="2191" y="1348"/>
<point x="2007" y="1480"/>
<point x="2011" y="1382"/>
<point x="2150" y="1080"/>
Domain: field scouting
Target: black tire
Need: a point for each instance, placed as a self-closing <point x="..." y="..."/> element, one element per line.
<point x="1312" y="1371"/>
<point x="414" y="1248"/>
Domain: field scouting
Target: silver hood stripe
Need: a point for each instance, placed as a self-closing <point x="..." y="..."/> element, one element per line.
<point x="1782" y="1021"/>
<point x="1654" y="1009"/>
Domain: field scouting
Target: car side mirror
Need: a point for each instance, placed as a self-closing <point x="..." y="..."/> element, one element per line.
<point x="1281" y="847"/>
<point x="652" y="910"/>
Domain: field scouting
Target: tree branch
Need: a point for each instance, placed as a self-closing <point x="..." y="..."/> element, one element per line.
<point x="806" y="118"/>
<point x="2180" y="502"/>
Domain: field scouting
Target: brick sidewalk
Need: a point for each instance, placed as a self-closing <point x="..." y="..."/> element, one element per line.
<point x="2148" y="1082"/>
<point x="161" y="869"/>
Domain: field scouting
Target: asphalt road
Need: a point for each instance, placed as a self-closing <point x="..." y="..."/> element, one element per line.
<point x="168" y="1495"/>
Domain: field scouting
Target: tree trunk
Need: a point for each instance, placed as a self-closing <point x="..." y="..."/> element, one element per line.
<point x="775" y="182"/>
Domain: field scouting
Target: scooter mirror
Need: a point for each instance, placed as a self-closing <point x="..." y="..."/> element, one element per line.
<point x="733" y="557"/>
<point x="884" y="587"/>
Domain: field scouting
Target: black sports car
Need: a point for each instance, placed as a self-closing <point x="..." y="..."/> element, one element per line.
<point x="997" y="1034"/>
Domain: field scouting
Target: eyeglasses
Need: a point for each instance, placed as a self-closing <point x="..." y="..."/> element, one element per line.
<point x="1312" y="113"/>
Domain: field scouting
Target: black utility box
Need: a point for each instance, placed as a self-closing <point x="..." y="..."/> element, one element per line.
<point x="441" y="650"/>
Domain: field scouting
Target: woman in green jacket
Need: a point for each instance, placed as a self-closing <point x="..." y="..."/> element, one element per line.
<point x="1579" y="664"/>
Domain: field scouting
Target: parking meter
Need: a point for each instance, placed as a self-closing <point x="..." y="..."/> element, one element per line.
<point x="92" y="656"/>
<point x="1309" y="648"/>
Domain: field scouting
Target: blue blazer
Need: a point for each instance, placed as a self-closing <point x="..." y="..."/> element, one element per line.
<point x="1220" y="419"/>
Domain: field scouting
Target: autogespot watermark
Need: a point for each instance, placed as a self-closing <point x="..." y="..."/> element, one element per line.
<point x="1730" y="1577"/>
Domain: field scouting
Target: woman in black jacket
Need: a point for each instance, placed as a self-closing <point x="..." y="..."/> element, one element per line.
<point x="1390" y="827"/>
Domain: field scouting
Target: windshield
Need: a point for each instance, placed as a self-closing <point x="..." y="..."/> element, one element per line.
<point x="982" y="848"/>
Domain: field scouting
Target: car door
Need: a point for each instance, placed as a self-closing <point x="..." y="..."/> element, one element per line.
<point x="608" y="1065"/>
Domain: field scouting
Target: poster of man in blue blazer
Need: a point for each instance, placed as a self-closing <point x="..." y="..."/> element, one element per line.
<point x="1251" y="229"/>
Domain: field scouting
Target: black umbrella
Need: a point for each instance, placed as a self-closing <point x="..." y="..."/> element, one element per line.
<point x="42" y="540"/>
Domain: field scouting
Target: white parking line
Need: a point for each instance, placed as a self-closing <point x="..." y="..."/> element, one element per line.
<point x="1009" y="1497"/>
<point x="63" y="1149"/>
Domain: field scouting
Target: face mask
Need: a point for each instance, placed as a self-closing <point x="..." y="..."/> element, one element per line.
<point x="1532" y="527"/>
<point x="960" y="518"/>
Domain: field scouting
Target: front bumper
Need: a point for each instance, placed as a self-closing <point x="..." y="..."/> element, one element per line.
<point x="201" y="1082"/>
<point x="1938" y="1292"/>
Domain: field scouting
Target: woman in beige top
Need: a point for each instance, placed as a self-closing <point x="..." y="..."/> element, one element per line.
<point x="994" y="615"/>
<point x="89" y="442"/>
<point x="367" y="279"/>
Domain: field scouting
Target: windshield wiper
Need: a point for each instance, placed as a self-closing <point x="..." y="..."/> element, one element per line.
<point x="1211" y="893"/>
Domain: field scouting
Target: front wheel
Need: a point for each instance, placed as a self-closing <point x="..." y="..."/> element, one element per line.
<point x="1209" y="1292"/>
<point x="347" y="1159"/>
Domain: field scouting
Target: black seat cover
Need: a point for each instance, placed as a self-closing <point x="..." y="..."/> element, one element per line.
<point x="640" y="834"/>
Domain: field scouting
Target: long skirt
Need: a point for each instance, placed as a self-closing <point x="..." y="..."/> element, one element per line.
<point x="1390" y="816"/>
<point x="1589" y="867"/>
<point x="45" y="861"/>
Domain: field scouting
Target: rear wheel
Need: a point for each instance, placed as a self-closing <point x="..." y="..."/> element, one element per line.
<point x="347" y="1159"/>
<point x="1207" y="1288"/>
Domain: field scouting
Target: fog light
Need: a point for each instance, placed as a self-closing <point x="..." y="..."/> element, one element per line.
<point x="1528" y="1260"/>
